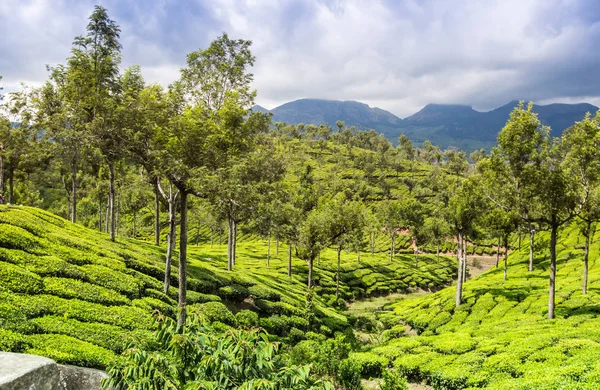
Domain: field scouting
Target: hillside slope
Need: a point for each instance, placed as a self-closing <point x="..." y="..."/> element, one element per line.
<point x="499" y="338"/>
<point x="445" y="125"/>
<point x="68" y="293"/>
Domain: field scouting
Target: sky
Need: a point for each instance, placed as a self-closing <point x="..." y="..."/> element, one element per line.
<point x="398" y="55"/>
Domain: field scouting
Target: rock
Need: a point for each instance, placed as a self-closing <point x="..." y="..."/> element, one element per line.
<point x="79" y="378"/>
<point x="30" y="372"/>
<point x="27" y="372"/>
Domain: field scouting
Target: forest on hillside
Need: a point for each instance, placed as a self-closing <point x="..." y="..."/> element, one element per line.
<point x="193" y="164"/>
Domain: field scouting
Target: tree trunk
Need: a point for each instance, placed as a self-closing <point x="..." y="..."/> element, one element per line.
<point x="111" y="199"/>
<point x="588" y="233"/>
<point x="11" y="185"/>
<point x="464" y="266"/>
<point x="310" y="271"/>
<point x="552" y="289"/>
<point x="133" y="232"/>
<point x="170" y="239"/>
<point x="337" y="277"/>
<point x="372" y="243"/>
<point x="505" y="257"/>
<point x="520" y="235"/>
<point x="459" y="279"/>
<point x="498" y="253"/>
<point x="438" y="252"/>
<point x="74" y="190"/>
<point x="156" y="213"/>
<point x="531" y="245"/>
<point x="230" y="245"/>
<point x="416" y="254"/>
<point x="234" y="247"/>
<point x="319" y="259"/>
<point x="290" y="260"/>
<point x="182" y="262"/>
<point x="117" y="212"/>
<point x="269" y="250"/>
<point x="212" y="236"/>
<point x="107" y="217"/>
<point x="1" y="174"/>
<point x="392" y="248"/>
<point x="99" y="209"/>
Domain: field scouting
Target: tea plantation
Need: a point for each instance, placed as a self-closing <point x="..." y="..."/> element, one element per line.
<point x="69" y="293"/>
<point x="499" y="338"/>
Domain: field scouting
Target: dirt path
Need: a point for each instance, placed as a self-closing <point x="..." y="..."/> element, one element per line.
<point x="479" y="264"/>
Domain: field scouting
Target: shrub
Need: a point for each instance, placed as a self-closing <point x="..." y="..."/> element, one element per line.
<point x="104" y="335"/>
<point x="12" y="342"/>
<point x="234" y="292"/>
<point x="261" y="292"/>
<point x="150" y="304"/>
<point x="349" y="375"/>
<point x="276" y="324"/>
<point x="13" y="237"/>
<point x="296" y="335"/>
<point x="370" y="365"/>
<point x="246" y="319"/>
<point x="277" y="307"/>
<point x="196" y="297"/>
<point x="19" y="280"/>
<point x="392" y="381"/>
<point x="165" y="298"/>
<point x="221" y="361"/>
<point x="71" y="288"/>
<point x="113" y="280"/>
<point x="69" y="350"/>
<point x="214" y="311"/>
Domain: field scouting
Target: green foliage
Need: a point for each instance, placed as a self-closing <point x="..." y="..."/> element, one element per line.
<point x="198" y="357"/>
<point x="214" y="311"/>
<point x="71" y="288"/>
<point x="370" y="365"/>
<point x="234" y="292"/>
<point x="246" y="319"/>
<point x="19" y="280"/>
<point x="349" y="375"/>
<point x="392" y="381"/>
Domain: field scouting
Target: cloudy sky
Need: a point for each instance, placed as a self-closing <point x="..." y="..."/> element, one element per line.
<point x="397" y="55"/>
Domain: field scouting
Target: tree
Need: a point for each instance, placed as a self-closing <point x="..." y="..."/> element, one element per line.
<point x="464" y="207"/>
<point x="240" y="187"/>
<point x="313" y="237"/>
<point x="345" y="228"/>
<point x="435" y="230"/>
<point x="583" y="161"/>
<point x="212" y="124"/>
<point x="534" y="178"/>
<point x="16" y="141"/>
<point x="398" y="215"/>
<point x="95" y="60"/>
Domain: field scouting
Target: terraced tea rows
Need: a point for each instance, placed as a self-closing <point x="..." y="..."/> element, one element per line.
<point x="68" y="293"/>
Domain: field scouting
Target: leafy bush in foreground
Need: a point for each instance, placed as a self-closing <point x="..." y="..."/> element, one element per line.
<point x="196" y="357"/>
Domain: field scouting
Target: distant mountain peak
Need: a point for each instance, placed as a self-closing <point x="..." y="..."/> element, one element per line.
<point x="445" y="125"/>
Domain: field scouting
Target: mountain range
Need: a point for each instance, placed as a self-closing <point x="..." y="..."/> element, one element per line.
<point x="445" y="125"/>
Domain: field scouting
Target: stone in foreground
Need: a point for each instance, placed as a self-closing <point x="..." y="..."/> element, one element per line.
<point x="18" y="371"/>
<point x="30" y="372"/>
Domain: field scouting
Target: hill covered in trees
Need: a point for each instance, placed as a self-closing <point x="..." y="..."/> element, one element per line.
<point x="445" y="125"/>
<point x="183" y="200"/>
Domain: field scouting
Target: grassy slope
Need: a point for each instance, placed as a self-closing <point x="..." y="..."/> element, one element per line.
<point x="499" y="338"/>
<point x="69" y="293"/>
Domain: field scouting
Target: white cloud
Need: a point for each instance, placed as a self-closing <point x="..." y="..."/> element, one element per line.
<point x="398" y="55"/>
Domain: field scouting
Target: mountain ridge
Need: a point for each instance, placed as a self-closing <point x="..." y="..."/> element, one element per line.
<point x="446" y="125"/>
